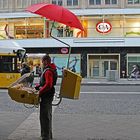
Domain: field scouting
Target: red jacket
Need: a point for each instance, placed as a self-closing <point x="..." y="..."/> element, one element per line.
<point x="48" y="79"/>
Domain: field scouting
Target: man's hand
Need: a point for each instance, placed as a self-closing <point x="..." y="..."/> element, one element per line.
<point x="37" y="87"/>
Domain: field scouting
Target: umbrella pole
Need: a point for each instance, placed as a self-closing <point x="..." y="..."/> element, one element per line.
<point x="63" y="43"/>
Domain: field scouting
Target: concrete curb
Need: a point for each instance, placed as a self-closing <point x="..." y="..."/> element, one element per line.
<point x="106" y="84"/>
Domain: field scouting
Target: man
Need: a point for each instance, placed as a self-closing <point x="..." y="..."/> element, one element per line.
<point x="25" y="68"/>
<point x="46" y="93"/>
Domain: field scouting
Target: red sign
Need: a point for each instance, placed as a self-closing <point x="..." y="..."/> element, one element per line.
<point x="103" y="27"/>
<point x="64" y="50"/>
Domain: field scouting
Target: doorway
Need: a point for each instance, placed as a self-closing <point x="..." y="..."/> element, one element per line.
<point x="98" y="65"/>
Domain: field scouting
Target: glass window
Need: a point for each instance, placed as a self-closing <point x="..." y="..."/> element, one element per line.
<point x="29" y="28"/>
<point x="133" y="60"/>
<point x="1" y="4"/>
<point x="107" y="1"/>
<point x="54" y="2"/>
<point x="7" y="64"/>
<point x="114" y="1"/>
<point x="136" y="1"/>
<point x="133" y="1"/>
<point x="69" y="3"/>
<point x="130" y="1"/>
<point x="58" y="2"/>
<point x="33" y="1"/>
<point x="94" y="2"/>
<point x="72" y="2"/>
<point x="25" y="4"/>
<point x="75" y="2"/>
<point x="91" y="2"/>
<point x="98" y="2"/>
<point x="110" y="1"/>
<point x="19" y="3"/>
<point x="5" y="3"/>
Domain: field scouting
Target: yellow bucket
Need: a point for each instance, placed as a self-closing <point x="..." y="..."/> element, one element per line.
<point x="70" y="86"/>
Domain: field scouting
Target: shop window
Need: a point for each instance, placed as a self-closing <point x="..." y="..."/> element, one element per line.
<point x="33" y="31"/>
<point x="72" y="2"/>
<point x="133" y="60"/>
<point x="58" y="2"/>
<point x="94" y="2"/>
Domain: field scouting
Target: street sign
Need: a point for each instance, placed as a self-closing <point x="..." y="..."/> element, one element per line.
<point x="103" y="27"/>
<point x="64" y="50"/>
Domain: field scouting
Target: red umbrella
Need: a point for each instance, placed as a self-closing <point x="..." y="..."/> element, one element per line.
<point x="56" y="13"/>
<point x="59" y="14"/>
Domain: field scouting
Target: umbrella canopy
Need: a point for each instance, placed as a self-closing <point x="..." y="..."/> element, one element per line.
<point x="56" y="13"/>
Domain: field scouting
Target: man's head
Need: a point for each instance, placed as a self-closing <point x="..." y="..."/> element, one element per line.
<point x="46" y="59"/>
<point x="24" y="64"/>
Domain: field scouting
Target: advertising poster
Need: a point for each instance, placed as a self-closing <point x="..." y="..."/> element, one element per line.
<point x="61" y="61"/>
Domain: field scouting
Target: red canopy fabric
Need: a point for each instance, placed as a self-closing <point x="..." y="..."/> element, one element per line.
<point x="56" y="13"/>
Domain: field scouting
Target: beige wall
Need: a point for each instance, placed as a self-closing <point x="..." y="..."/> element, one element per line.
<point x="20" y="5"/>
<point x="17" y="5"/>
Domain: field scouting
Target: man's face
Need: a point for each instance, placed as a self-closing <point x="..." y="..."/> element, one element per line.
<point x="44" y="62"/>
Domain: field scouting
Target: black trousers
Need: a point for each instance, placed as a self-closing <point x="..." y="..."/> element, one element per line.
<point x="46" y="118"/>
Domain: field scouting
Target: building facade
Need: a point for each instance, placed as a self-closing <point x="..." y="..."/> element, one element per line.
<point x="111" y="40"/>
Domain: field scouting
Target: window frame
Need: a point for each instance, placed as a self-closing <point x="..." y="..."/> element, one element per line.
<point x="95" y="2"/>
<point x="102" y="3"/>
<point x="72" y="3"/>
<point x="57" y="2"/>
<point x="111" y="2"/>
<point x="4" y="4"/>
<point x="8" y="64"/>
<point x="133" y="2"/>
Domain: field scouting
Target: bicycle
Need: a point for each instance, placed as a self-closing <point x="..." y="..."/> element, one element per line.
<point x="131" y="77"/>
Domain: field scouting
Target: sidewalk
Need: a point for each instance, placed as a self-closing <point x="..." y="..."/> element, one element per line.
<point x="84" y="126"/>
<point x="121" y="81"/>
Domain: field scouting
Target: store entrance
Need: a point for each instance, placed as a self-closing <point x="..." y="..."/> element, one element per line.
<point x="98" y="65"/>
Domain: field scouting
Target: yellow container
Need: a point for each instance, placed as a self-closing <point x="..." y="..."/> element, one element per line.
<point x="20" y="92"/>
<point x="23" y="95"/>
<point x="70" y="86"/>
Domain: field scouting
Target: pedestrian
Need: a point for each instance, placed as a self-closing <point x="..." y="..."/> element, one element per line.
<point x="60" y="31"/>
<point x="135" y="72"/>
<point x="25" y="68"/>
<point x="46" y="92"/>
<point x="28" y="81"/>
<point x="38" y="70"/>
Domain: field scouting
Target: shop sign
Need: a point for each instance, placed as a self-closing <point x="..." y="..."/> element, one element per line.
<point x="64" y="50"/>
<point x="103" y="27"/>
